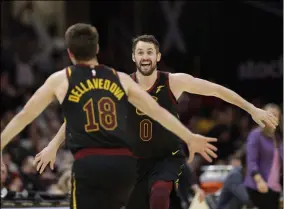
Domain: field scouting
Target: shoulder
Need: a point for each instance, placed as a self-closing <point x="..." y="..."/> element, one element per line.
<point x="125" y="81"/>
<point x="59" y="74"/>
<point x="179" y="77"/>
<point x="123" y="75"/>
<point x="57" y="77"/>
<point x="178" y="81"/>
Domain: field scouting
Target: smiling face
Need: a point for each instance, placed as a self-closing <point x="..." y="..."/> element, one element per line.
<point x="146" y="57"/>
<point x="145" y="54"/>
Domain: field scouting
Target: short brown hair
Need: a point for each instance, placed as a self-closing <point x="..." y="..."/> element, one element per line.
<point x="82" y="41"/>
<point x="146" y="38"/>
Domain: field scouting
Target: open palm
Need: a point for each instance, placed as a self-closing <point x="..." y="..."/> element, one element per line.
<point x="202" y="145"/>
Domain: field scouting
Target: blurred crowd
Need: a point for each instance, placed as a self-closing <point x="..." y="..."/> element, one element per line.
<point x="29" y="54"/>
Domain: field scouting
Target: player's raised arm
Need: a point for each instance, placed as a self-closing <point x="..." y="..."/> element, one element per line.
<point x="37" y="103"/>
<point x="145" y="103"/>
<point x="181" y="82"/>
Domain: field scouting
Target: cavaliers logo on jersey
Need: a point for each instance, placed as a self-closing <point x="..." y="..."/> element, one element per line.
<point x="138" y="112"/>
<point x="159" y="88"/>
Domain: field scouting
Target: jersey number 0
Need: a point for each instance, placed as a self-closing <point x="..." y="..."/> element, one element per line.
<point x="106" y="114"/>
<point x="146" y="128"/>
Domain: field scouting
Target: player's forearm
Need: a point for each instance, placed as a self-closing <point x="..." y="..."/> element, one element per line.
<point x="16" y="125"/>
<point x="171" y="123"/>
<point x="59" y="137"/>
<point x="233" y="98"/>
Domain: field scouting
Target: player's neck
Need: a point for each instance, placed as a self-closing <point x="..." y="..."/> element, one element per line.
<point x="146" y="82"/>
<point x="93" y="62"/>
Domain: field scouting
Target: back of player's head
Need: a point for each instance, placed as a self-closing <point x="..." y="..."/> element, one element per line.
<point x="82" y="41"/>
<point x="146" y="38"/>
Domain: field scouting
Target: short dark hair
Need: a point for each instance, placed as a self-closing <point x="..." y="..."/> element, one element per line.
<point x="82" y="41"/>
<point x="145" y="38"/>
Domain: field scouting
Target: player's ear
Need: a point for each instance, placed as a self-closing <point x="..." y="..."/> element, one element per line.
<point x="133" y="58"/>
<point x="71" y="57"/>
<point x="98" y="48"/>
<point x="159" y="56"/>
<point x="69" y="53"/>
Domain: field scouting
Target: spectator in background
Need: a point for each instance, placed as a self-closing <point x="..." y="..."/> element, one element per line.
<point x="8" y="94"/>
<point x="264" y="163"/>
<point x="234" y="194"/>
<point x="3" y="175"/>
<point x="226" y="132"/>
<point x="29" y="175"/>
<point x="63" y="186"/>
<point x="9" y="189"/>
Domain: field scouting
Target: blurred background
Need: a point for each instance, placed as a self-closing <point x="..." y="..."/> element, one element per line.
<point x="238" y="45"/>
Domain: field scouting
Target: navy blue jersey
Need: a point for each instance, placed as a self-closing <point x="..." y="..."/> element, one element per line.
<point x="95" y="109"/>
<point x="155" y="141"/>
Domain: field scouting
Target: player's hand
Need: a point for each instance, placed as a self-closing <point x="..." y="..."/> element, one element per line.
<point x="201" y="195"/>
<point x="201" y="144"/>
<point x="47" y="155"/>
<point x="200" y="192"/>
<point x="264" y="118"/>
<point x="262" y="187"/>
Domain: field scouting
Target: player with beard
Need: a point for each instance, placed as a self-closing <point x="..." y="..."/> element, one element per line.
<point x="160" y="159"/>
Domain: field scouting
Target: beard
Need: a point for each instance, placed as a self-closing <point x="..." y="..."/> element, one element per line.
<point x="146" y="70"/>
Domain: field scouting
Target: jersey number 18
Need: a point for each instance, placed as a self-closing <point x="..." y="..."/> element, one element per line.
<point x="106" y="114"/>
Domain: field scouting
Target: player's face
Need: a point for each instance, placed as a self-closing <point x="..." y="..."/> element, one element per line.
<point x="146" y="57"/>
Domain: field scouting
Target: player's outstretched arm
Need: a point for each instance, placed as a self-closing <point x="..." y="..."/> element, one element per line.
<point x="181" y="82"/>
<point x="38" y="102"/>
<point x="145" y="103"/>
<point x="48" y="154"/>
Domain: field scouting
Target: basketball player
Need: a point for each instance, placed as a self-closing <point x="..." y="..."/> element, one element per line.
<point x="159" y="167"/>
<point x="94" y="100"/>
<point x="161" y="160"/>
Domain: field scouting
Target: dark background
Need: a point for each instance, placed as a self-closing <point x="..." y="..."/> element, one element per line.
<point x="236" y="44"/>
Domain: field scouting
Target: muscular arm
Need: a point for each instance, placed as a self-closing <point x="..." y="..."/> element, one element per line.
<point x="38" y="102"/>
<point x="144" y="102"/>
<point x="180" y="82"/>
